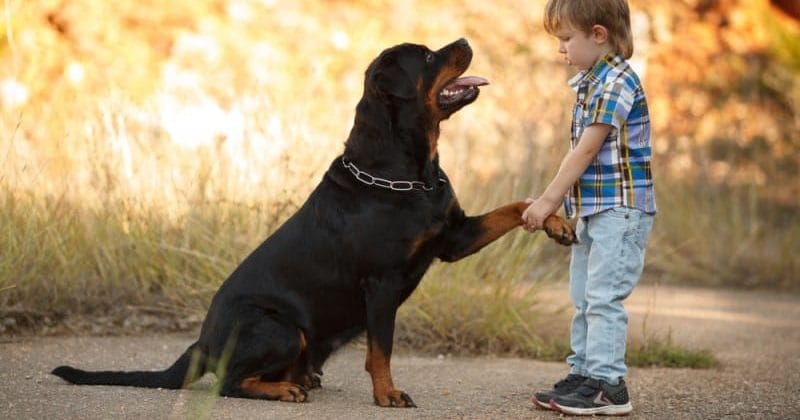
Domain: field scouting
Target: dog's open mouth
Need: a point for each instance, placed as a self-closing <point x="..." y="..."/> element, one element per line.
<point x="461" y="90"/>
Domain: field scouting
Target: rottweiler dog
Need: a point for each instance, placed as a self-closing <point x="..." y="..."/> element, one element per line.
<point x="353" y="252"/>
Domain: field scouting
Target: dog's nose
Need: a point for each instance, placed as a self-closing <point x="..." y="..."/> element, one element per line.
<point x="458" y="48"/>
<point x="463" y="45"/>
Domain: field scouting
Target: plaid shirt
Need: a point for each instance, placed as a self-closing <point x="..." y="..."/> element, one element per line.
<point x="610" y="93"/>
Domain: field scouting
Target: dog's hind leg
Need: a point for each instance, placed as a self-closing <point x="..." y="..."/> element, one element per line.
<point x="262" y="360"/>
<point x="254" y="387"/>
<point x="303" y="371"/>
<point x="318" y="353"/>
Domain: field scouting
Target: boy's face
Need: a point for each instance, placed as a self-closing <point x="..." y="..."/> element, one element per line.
<point x="582" y="50"/>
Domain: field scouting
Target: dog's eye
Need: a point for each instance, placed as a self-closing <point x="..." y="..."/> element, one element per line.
<point x="429" y="58"/>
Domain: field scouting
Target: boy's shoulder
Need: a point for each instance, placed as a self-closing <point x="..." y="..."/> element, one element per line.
<point x="622" y="74"/>
<point x="618" y="70"/>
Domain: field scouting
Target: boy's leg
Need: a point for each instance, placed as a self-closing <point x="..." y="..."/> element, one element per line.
<point x="578" y="275"/>
<point x="614" y="265"/>
<point x="577" y="286"/>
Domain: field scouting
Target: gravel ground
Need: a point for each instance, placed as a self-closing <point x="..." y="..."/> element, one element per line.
<point x="756" y="336"/>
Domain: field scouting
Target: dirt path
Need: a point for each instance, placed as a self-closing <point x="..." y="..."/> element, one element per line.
<point x="756" y="335"/>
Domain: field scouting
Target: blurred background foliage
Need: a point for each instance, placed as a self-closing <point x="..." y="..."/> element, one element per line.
<point x="148" y="146"/>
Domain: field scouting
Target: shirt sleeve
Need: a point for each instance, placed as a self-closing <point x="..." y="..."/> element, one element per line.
<point x="613" y="105"/>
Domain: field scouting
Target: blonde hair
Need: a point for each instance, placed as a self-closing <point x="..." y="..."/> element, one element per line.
<point x="582" y="15"/>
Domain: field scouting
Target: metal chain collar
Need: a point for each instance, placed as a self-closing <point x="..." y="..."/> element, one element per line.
<point x="385" y="183"/>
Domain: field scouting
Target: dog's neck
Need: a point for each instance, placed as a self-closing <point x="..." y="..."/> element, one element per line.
<point x="396" y="147"/>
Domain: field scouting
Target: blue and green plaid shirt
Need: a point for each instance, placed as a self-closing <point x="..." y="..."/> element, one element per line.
<point x="611" y="93"/>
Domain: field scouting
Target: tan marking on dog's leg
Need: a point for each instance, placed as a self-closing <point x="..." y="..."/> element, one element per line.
<point x="497" y="223"/>
<point x="383" y="390"/>
<point x="284" y="391"/>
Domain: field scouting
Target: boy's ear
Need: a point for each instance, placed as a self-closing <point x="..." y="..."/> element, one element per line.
<point x="599" y="34"/>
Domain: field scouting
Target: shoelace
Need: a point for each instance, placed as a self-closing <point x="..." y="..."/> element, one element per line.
<point x="569" y="380"/>
<point x="588" y="388"/>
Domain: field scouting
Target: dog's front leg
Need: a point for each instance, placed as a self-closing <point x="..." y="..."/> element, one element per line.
<point x="468" y="235"/>
<point x="383" y="297"/>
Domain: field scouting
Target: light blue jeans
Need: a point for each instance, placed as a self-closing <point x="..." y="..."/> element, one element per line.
<point x="605" y="267"/>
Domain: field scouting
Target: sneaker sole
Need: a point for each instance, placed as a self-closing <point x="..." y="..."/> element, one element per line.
<point x="608" y="410"/>
<point x="539" y="404"/>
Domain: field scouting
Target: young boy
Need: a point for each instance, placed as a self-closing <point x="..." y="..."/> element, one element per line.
<point x="608" y="184"/>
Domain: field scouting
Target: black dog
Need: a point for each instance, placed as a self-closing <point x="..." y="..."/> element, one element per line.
<point x="353" y="252"/>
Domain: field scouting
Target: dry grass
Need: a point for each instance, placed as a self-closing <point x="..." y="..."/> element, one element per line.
<point x="726" y="237"/>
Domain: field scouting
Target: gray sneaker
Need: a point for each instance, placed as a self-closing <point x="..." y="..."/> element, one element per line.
<point x="594" y="397"/>
<point x="562" y="387"/>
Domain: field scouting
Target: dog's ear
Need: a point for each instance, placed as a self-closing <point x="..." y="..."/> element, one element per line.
<point x="389" y="78"/>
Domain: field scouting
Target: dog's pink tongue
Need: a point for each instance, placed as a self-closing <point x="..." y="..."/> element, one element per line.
<point x="471" y="81"/>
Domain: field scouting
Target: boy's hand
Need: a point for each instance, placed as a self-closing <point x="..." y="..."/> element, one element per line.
<point x="540" y="215"/>
<point x="534" y="216"/>
<point x="525" y="224"/>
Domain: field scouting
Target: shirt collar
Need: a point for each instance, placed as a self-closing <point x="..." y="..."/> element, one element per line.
<point x="597" y="72"/>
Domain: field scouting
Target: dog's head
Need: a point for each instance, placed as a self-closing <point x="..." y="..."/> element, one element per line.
<point x="417" y="75"/>
<point x="408" y="90"/>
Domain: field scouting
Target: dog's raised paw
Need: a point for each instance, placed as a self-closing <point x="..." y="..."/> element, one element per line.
<point x="560" y="230"/>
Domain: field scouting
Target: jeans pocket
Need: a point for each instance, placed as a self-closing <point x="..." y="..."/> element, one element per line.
<point x="619" y="212"/>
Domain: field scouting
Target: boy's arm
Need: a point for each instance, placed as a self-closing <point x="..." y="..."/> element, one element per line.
<point x="572" y="167"/>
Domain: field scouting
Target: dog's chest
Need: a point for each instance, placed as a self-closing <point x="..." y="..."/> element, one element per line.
<point x="439" y="205"/>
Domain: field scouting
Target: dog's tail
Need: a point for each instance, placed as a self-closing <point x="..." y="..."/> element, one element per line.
<point x="187" y="369"/>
